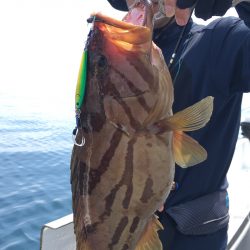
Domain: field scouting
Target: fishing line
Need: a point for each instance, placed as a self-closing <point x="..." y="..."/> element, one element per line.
<point x="180" y="39"/>
<point x="176" y="185"/>
<point x="178" y="45"/>
<point x="180" y="61"/>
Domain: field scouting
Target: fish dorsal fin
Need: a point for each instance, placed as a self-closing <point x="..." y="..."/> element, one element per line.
<point x="150" y="239"/>
<point x="187" y="151"/>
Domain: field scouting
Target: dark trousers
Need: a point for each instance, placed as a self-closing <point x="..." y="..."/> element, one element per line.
<point x="172" y="239"/>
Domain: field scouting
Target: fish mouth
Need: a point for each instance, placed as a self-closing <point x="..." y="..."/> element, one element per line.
<point x="141" y="14"/>
<point x="135" y="29"/>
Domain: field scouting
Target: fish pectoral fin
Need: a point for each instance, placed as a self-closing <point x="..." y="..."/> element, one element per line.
<point x="193" y="117"/>
<point x="189" y="119"/>
<point x="150" y="239"/>
<point x="187" y="151"/>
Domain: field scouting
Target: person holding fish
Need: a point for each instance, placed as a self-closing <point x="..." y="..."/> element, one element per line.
<point x="212" y="60"/>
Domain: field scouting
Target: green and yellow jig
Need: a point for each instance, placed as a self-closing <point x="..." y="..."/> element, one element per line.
<point x="81" y="81"/>
<point x="81" y="87"/>
<point x="79" y="96"/>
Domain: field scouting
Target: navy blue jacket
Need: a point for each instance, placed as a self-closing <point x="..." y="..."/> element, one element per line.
<point x="212" y="60"/>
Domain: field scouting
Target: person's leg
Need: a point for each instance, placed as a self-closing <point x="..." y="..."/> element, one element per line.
<point x="172" y="239"/>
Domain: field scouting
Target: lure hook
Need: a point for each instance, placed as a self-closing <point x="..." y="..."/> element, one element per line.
<point x="74" y="135"/>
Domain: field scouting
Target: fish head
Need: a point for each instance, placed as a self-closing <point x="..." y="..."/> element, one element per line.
<point x="128" y="80"/>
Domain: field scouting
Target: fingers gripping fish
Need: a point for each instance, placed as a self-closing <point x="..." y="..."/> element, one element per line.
<point x="125" y="170"/>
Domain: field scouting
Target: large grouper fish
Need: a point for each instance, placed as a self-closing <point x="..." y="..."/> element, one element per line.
<point x="124" y="171"/>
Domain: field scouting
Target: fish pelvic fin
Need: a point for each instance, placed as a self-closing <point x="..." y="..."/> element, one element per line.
<point x="150" y="239"/>
<point x="187" y="151"/>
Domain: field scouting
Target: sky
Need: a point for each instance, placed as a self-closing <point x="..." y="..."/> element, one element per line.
<point x="40" y="48"/>
<point x="41" y="45"/>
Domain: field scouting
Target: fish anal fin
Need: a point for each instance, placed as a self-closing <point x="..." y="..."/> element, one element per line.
<point x="150" y="239"/>
<point x="187" y="151"/>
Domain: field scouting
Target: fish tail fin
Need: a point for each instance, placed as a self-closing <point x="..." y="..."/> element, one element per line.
<point x="150" y="239"/>
<point x="187" y="151"/>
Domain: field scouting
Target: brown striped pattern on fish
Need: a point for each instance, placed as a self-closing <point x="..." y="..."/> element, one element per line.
<point x="95" y="174"/>
<point x="123" y="173"/>
<point x="125" y="170"/>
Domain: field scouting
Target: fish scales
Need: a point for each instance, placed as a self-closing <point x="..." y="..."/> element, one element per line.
<point x="125" y="170"/>
<point x="124" y="186"/>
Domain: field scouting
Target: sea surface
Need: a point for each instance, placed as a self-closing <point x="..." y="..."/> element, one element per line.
<point x="35" y="149"/>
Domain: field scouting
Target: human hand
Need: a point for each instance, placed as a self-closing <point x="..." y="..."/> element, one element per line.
<point x="235" y="2"/>
<point x="203" y="9"/>
<point x="181" y="15"/>
<point x="175" y="186"/>
<point x="161" y="208"/>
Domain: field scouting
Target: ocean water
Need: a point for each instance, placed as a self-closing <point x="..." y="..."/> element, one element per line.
<point x="35" y="149"/>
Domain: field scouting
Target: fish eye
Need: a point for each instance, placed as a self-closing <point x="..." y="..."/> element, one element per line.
<point x="102" y="61"/>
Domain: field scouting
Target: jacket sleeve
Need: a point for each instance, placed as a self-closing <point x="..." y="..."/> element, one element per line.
<point x="243" y="10"/>
<point x="241" y="73"/>
<point x="205" y="9"/>
<point x="240" y="81"/>
<point x="230" y="56"/>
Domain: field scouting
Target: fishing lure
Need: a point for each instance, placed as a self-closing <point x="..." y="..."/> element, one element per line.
<point x="79" y="96"/>
<point x="81" y="88"/>
<point x="81" y="82"/>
